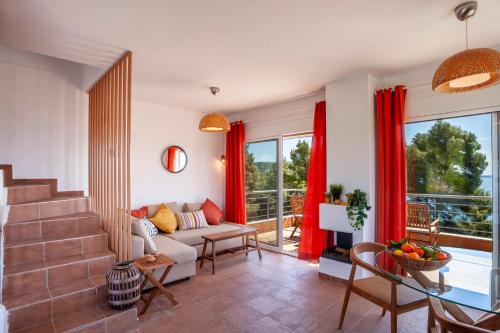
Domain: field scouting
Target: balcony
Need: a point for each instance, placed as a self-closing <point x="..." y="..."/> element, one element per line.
<point x="466" y="221"/>
<point x="262" y="210"/>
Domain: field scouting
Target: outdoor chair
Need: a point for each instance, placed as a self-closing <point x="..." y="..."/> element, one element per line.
<point x="380" y="289"/>
<point x="418" y="221"/>
<point x="297" y="204"/>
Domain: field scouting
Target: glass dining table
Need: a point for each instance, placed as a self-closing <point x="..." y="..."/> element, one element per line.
<point x="459" y="284"/>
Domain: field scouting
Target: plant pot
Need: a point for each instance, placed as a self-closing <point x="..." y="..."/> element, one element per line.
<point x="337" y="201"/>
<point x="124" y="283"/>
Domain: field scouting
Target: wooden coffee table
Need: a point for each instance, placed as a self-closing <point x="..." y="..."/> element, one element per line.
<point x="147" y="268"/>
<point x="246" y="247"/>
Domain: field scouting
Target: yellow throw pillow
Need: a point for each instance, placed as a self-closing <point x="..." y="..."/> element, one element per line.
<point x="164" y="219"/>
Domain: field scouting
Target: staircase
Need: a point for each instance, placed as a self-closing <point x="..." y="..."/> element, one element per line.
<point x="56" y="256"/>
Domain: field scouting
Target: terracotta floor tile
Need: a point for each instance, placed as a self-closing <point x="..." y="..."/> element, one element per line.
<point x="266" y="304"/>
<point x="290" y="317"/>
<point x="162" y="324"/>
<point x="241" y="316"/>
<point x="46" y="327"/>
<point x="220" y="303"/>
<point x="266" y="325"/>
<point x="75" y="319"/>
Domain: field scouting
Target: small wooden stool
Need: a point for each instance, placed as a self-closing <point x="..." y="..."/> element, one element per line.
<point x="148" y="268"/>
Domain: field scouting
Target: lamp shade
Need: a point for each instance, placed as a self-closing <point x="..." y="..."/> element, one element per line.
<point x="214" y="122"/>
<point x="468" y="70"/>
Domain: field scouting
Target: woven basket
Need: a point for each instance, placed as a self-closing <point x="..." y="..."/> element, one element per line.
<point x="124" y="283"/>
<point x="420" y="265"/>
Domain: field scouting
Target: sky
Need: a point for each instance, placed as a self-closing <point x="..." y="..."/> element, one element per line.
<point x="480" y="125"/>
<point x="265" y="151"/>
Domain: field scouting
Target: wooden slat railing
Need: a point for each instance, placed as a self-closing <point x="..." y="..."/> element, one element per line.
<point x="109" y="153"/>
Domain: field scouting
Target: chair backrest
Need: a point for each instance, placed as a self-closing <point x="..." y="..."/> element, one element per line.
<point x="448" y="324"/>
<point x="361" y="248"/>
<point x="297" y="204"/>
<point x="418" y="215"/>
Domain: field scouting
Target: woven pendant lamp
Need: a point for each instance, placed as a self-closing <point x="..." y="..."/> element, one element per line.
<point x="468" y="70"/>
<point x="214" y="122"/>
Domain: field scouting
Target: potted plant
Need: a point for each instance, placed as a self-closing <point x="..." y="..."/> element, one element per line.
<point x="328" y="197"/>
<point x="336" y="192"/>
<point x="357" y="206"/>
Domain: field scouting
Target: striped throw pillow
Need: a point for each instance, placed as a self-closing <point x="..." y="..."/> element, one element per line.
<point x="191" y="220"/>
<point x="150" y="227"/>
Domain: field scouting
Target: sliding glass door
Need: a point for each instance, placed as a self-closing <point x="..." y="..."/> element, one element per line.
<point x="276" y="175"/>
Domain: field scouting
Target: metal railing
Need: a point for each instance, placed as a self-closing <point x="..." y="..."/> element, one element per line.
<point x="263" y="205"/>
<point x="459" y="214"/>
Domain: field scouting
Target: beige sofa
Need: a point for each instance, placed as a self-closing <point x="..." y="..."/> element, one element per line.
<point x="183" y="246"/>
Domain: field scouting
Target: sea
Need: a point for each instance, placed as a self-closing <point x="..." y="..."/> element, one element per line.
<point x="487" y="184"/>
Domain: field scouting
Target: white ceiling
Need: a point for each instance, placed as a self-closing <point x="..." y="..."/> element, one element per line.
<point x="257" y="51"/>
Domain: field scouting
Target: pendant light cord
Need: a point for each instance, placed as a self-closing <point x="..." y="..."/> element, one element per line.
<point x="466" y="34"/>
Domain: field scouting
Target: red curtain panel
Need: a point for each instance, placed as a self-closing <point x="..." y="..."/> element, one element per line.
<point x="171" y="159"/>
<point x="312" y="238"/>
<point x="391" y="165"/>
<point x="235" y="174"/>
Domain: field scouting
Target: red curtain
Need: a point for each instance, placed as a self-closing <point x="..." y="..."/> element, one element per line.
<point x="235" y="173"/>
<point x="312" y="238"/>
<point x="171" y="159"/>
<point x="391" y="165"/>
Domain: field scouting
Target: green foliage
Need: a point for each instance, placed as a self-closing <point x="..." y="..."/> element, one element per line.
<point x="446" y="159"/>
<point x="357" y="208"/>
<point x="336" y="191"/>
<point x="295" y="170"/>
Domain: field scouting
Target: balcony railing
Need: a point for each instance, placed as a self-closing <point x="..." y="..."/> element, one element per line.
<point x="263" y="205"/>
<point x="460" y="214"/>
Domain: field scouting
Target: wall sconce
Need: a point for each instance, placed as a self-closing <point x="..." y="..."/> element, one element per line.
<point x="223" y="159"/>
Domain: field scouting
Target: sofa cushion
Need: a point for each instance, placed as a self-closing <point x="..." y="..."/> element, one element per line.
<point x="152" y="209"/>
<point x="193" y="236"/>
<point x="178" y="251"/>
<point x="140" y="213"/>
<point x="191" y="220"/>
<point x="192" y="206"/>
<point x="212" y="212"/>
<point x="165" y="220"/>
<point x="139" y="229"/>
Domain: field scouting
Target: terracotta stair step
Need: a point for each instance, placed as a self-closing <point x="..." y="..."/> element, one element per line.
<point x="18" y="194"/>
<point x="46" y="208"/>
<point x="25" y="282"/>
<point x="32" y="252"/>
<point x="90" y="320"/>
<point x="32" y="231"/>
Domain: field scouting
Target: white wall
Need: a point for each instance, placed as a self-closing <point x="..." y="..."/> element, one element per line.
<point x="350" y="137"/>
<point x="43" y="112"/>
<point x="423" y="104"/>
<point x="155" y="127"/>
<point x="288" y="117"/>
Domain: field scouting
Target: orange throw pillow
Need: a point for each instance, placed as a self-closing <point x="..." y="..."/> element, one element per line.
<point x="140" y="213"/>
<point x="213" y="214"/>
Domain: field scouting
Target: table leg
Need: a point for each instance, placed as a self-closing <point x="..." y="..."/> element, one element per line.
<point x="159" y="286"/>
<point x="257" y="244"/>
<point x="213" y="257"/>
<point x="148" y="301"/>
<point x="246" y="244"/>
<point x="203" y="253"/>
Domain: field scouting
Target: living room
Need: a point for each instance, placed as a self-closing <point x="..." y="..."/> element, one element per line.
<point x="249" y="166"/>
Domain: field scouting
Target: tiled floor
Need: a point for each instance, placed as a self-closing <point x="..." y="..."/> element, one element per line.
<point x="278" y="294"/>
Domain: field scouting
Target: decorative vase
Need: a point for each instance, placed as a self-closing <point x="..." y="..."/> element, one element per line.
<point x="124" y="283"/>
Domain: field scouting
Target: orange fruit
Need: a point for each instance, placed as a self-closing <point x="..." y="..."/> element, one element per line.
<point x="415" y="246"/>
<point x="441" y="256"/>
<point x="412" y="255"/>
<point x="398" y="252"/>
<point x="406" y="248"/>
<point x="419" y="251"/>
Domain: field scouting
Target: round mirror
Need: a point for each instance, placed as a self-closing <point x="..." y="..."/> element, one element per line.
<point x="174" y="159"/>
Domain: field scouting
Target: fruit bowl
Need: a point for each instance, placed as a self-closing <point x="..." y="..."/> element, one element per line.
<point x="419" y="265"/>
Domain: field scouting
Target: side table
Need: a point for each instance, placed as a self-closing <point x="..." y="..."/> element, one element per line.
<point x="148" y="268"/>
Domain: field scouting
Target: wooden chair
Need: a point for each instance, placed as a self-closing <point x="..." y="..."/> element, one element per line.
<point x="418" y="220"/>
<point x="446" y="324"/>
<point x="297" y="204"/>
<point x="380" y="289"/>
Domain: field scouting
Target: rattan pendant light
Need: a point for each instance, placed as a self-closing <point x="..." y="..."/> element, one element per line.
<point x="471" y="69"/>
<point x="214" y="122"/>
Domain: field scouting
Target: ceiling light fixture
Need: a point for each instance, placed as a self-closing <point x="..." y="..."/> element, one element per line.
<point x="214" y="122"/>
<point x="471" y="69"/>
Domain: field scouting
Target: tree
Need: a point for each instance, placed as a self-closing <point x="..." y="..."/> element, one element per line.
<point x="249" y="170"/>
<point x="446" y="159"/>
<point x="295" y="170"/>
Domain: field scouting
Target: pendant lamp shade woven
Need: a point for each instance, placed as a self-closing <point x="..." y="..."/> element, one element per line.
<point x="468" y="70"/>
<point x="214" y="122"/>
